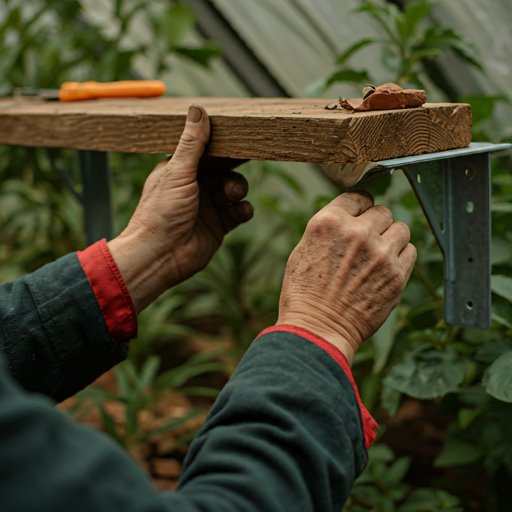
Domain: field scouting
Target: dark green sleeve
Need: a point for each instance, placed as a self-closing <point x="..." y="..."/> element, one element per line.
<point x="52" y="331"/>
<point x="284" y="435"/>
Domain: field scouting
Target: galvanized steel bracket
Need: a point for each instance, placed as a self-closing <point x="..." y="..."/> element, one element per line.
<point x="453" y="188"/>
<point x="97" y="195"/>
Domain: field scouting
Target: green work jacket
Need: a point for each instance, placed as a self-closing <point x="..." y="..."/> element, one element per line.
<point x="286" y="433"/>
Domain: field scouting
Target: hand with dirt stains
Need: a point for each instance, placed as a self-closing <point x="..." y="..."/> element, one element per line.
<point x="181" y="218"/>
<point x="347" y="273"/>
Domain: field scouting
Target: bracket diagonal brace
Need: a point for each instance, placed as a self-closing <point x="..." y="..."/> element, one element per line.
<point x="453" y="188"/>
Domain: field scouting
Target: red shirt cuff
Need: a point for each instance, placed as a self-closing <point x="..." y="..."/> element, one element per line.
<point x="369" y="424"/>
<point x="110" y="290"/>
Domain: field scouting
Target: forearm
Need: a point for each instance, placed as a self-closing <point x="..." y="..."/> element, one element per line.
<point x="285" y="434"/>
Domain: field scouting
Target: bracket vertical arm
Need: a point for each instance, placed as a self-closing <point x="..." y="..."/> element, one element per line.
<point x="455" y="196"/>
<point x="97" y="195"/>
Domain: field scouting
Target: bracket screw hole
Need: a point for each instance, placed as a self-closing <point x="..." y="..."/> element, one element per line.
<point x="418" y="178"/>
<point x="470" y="260"/>
<point x="470" y="207"/>
<point x="469" y="305"/>
<point x="470" y="173"/>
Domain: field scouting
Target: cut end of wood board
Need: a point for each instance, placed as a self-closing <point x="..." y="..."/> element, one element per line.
<point x="296" y="130"/>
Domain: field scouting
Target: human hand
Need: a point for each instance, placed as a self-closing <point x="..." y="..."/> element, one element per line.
<point x="181" y="219"/>
<point x="347" y="273"/>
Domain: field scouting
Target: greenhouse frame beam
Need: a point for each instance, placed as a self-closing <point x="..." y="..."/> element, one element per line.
<point x="256" y="77"/>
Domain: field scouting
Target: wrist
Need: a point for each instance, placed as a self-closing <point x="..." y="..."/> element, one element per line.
<point x="146" y="274"/>
<point x="332" y="336"/>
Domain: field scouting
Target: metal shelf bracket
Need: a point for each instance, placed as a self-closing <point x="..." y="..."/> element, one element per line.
<point x="454" y="190"/>
<point x="97" y="195"/>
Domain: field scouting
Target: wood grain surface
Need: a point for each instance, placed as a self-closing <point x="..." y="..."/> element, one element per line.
<point x="298" y="130"/>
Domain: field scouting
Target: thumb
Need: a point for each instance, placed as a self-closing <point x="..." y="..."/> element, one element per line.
<point x="182" y="167"/>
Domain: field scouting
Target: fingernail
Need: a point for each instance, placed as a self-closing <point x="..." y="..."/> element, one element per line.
<point x="194" y="114"/>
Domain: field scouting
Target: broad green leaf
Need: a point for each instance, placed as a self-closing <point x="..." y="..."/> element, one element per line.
<point x="372" y="496"/>
<point x="427" y="374"/>
<point x="177" y="22"/>
<point x="479" y="336"/>
<point x="458" y="453"/>
<point x="501" y="250"/>
<point x="430" y="500"/>
<point x="369" y="389"/>
<point x="489" y="352"/>
<point x="390" y="400"/>
<point x="502" y="286"/>
<point x="466" y="416"/>
<point x="503" y="321"/>
<point x="438" y="36"/>
<point x="348" y="75"/>
<point x="474" y="396"/>
<point x="202" y="55"/>
<point x="345" y="55"/>
<point x="383" y="15"/>
<point x="414" y="12"/>
<point x="447" y="500"/>
<point x="380" y="452"/>
<point x="398" y="492"/>
<point x="464" y="55"/>
<point x="424" y="54"/>
<point x="502" y="313"/>
<point x="383" y="341"/>
<point x="396" y="472"/>
<point x="498" y="378"/>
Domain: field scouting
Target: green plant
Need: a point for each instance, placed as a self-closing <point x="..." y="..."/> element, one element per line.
<point x="381" y="488"/>
<point x="139" y="391"/>
<point x="408" y="40"/>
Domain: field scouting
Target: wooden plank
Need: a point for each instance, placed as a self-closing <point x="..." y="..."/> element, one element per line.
<point x="298" y="130"/>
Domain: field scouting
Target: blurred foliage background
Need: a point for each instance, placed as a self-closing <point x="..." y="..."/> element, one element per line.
<point x="442" y="395"/>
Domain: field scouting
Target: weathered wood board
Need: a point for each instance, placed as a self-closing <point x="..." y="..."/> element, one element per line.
<point x="298" y="130"/>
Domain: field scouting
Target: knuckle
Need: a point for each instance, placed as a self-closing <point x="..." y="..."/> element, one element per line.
<point x="384" y="212"/>
<point x="323" y="223"/>
<point x="403" y="229"/>
<point x="382" y="257"/>
<point x="360" y="197"/>
<point x="359" y="234"/>
<point x="189" y="141"/>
